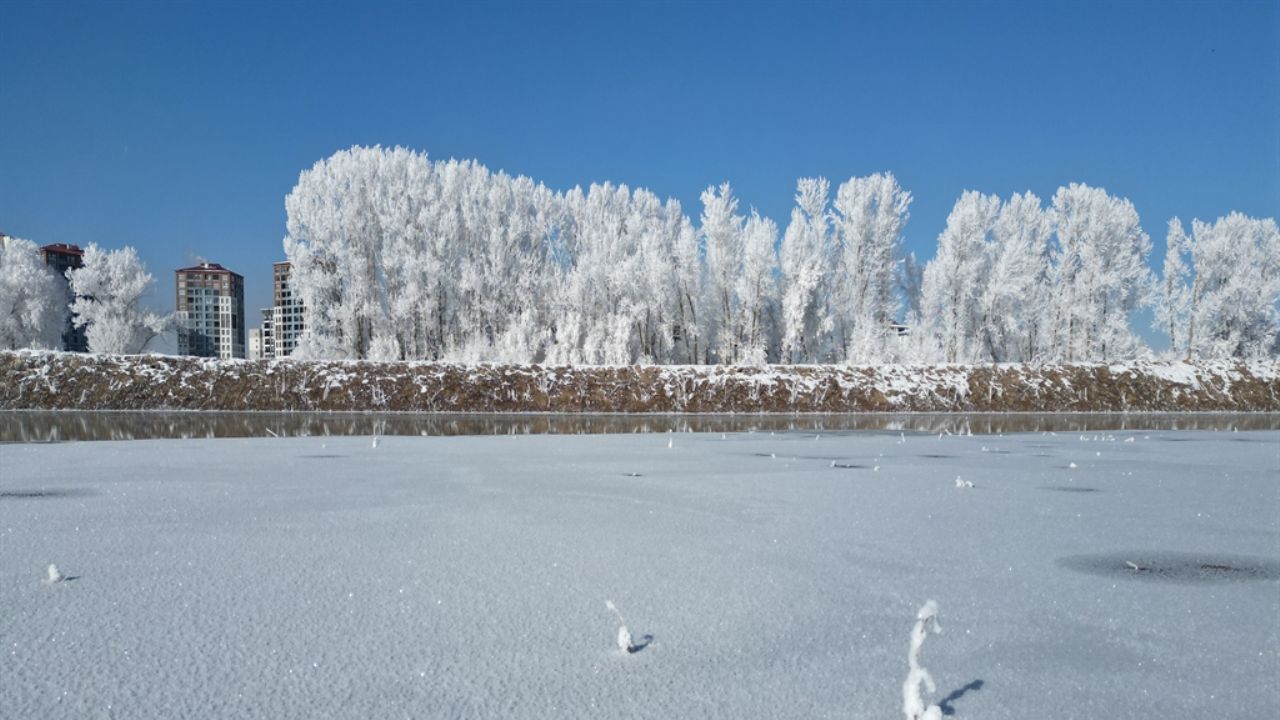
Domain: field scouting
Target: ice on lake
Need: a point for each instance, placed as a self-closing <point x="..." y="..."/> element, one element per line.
<point x="1126" y="574"/>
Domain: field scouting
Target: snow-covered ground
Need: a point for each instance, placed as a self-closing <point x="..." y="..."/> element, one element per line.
<point x="766" y="576"/>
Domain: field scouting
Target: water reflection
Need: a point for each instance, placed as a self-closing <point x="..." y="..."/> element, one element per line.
<point x="46" y="426"/>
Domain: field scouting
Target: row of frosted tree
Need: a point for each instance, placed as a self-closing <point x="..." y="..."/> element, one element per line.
<point x="399" y="257"/>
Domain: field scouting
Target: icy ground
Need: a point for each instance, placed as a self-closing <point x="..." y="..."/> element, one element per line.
<point x="765" y="576"/>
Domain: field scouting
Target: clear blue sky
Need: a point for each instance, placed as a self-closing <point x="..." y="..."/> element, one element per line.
<point x="179" y="127"/>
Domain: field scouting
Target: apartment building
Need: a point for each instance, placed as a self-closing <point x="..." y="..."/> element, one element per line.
<point x="210" y="303"/>
<point x="286" y="313"/>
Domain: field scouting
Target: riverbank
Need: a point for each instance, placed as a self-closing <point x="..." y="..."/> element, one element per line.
<point x="58" y="381"/>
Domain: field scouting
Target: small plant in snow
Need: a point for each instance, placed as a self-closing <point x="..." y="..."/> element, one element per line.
<point x="55" y="575"/>
<point x="960" y="483"/>
<point x="624" y="635"/>
<point x="912" y="703"/>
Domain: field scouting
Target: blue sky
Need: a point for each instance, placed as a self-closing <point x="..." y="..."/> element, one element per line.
<point x="179" y="127"/>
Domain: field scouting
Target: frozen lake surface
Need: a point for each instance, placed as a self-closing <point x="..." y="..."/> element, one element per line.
<point x="765" y="575"/>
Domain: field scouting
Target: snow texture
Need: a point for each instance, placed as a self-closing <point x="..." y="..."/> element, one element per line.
<point x="462" y="577"/>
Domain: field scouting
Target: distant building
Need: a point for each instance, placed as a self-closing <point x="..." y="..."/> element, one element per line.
<point x="210" y="303"/>
<point x="62" y="258"/>
<point x="268" y="333"/>
<point x="287" y="317"/>
<point x="254" y="350"/>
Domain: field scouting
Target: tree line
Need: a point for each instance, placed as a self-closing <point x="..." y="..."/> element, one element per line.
<point x="396" y="256"/>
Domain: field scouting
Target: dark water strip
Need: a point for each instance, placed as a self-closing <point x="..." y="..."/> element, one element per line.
<point x="64" y="426"/>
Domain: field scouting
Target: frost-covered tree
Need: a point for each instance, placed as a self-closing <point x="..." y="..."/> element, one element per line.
<point x="804" y="271"/>
<point x="108" y="291"/>
<point x="1099" y="275"/>
<point x="1230" y="310"/>
<point x="1012" y="302"/>
<point x="868" y="217"/>
<point x="1173" y="295"/>
<point x="756" y="290"/>
<point x="955" y="280"/>
<point x="344" y="216"/>
<point x="33" y="301"/>
<point x="688" y="281"/>
<point x="721" y="228"/>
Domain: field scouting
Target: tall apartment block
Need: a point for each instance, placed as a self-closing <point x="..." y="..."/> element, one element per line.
<point x="282" y="323"/>
<point x="61" y="258"/>
<point x="210" y="302"/>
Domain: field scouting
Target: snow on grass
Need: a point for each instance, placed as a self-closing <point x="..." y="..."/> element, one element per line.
<point x="462" y="576"/>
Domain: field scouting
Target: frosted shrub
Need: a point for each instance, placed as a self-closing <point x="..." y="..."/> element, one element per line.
<point x="913" y="705"/>
<point x="624" y="635"/>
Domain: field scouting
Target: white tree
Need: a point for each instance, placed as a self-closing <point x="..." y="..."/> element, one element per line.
<point x="956" y="278"/>
<point x="1015" y="294"/>
<point x="869" y="216"/>
<point x="108" y="291"/>
<point x="1173" y="296"/>
<point x="1099" y="276"/>
<point x="1232" y="310"/>
<point x="756" y="290"/>
<point x="721" y="228"/>
<point x="33" y="301"/>
<point x="689" y="279"/>
<point x="804" y="268"/>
